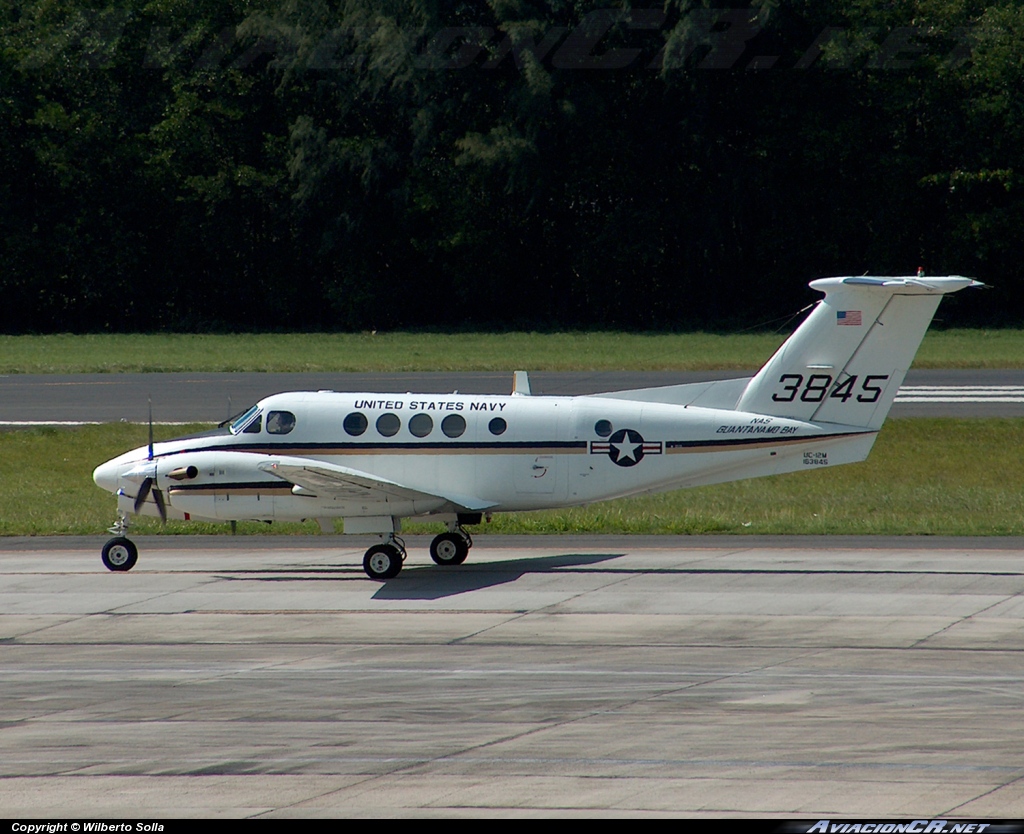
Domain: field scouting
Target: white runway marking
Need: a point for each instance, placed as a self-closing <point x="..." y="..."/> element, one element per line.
<point x="961" y="394"/>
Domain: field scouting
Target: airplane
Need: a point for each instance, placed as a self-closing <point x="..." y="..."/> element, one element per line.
<point x="376" y="459"/>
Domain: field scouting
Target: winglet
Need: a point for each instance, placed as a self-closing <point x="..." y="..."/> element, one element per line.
<point x="521" y="384"/>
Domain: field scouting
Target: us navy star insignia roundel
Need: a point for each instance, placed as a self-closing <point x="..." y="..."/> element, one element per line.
<point x="625" y="448"/>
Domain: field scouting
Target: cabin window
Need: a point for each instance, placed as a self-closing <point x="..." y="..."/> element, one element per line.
<point x="421" y="425"/>
<point x="254" y="427"/>
<point x="453" y="425"/>
<point x="280" y="422"/>
<point x="603" y="428"/>
<point x="497" y="426"/>
<point x="388" y="424"/>
<point x="355" y="423"/>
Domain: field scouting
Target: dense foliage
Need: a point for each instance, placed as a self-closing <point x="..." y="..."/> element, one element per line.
<point x="358" y="164"/>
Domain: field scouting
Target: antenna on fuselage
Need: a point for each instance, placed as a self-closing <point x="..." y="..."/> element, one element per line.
<point x="521" y="384"/>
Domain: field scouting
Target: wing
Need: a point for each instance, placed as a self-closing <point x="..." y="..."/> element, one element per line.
<point x="328" y="479"/>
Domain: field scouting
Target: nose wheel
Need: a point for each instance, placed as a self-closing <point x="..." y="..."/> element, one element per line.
<point x="119" y="554"/>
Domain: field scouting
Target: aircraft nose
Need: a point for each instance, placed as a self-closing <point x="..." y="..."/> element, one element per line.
<point x="106" y="474"/>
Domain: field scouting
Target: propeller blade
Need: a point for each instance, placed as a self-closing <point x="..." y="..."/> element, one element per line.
<point x="150" y="428"/>
<point x="144" y="489"/>
<point x="158" y="496"/>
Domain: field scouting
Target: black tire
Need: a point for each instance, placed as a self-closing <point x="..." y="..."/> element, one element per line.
<point x="120" y="554"/>
<point x="382" y="561"/>
<point x="449" y="549"/>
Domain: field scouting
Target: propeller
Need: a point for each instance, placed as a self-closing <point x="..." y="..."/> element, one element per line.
<point x="147" y="483"/>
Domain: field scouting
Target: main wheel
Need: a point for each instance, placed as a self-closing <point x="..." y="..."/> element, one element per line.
<point x="120" y="554"/>
<point x="382" y="561"/>
<point x="449" y="549"/>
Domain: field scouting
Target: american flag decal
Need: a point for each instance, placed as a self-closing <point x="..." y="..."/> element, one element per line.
<point x="849" y="317"/>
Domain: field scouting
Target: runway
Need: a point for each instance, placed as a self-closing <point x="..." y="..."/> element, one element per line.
<point x="548" y="676"/>
<point x="212" y="397"/>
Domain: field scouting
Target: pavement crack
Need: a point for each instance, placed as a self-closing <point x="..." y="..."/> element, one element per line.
<point x="961" y="621"/>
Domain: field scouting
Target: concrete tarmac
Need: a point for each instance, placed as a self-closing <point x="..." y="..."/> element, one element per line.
<point x="548" y="676"/>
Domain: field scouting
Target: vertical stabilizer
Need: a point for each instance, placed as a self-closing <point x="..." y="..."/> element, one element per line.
<point x="846" y="362"/>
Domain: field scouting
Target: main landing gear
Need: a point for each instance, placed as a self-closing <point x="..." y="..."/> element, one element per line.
<point x="384" y="561"/>
<point x="451" y="548"/>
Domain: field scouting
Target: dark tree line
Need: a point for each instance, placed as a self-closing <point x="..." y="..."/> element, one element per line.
<point x="306" y="164"/>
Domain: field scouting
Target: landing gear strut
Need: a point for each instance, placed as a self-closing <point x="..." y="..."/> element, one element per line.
<point x="451" y="548"/>
<point x="384" y="561"/>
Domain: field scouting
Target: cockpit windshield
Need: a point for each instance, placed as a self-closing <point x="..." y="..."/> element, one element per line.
<point x="241" y="422"/>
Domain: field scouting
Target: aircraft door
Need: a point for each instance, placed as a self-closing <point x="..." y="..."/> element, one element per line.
<point x="537" y="474"/>
<point x="540" y="469"/>
<point x="585" y="417"/>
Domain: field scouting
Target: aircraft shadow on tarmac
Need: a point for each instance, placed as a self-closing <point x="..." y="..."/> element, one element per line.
<point x="430" y="581"/>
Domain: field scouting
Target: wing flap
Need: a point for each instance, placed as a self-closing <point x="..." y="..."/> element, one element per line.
<point x="326" y="479"/>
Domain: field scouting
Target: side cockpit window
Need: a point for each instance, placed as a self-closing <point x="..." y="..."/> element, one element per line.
<point x="242" y="422"/>
<point x="280" y="422"/>
<point x="254" y="427"/>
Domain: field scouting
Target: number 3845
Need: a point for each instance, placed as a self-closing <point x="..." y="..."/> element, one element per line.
<point x="817" y="386"/>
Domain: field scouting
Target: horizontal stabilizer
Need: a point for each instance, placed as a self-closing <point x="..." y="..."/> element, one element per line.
<point x="722" y="393"/>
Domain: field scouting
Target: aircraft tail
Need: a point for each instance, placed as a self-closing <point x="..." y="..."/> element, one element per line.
<point x="846" y="362"/>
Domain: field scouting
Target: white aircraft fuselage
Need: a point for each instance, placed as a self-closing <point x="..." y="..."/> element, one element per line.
<point x="373" y="459"/>
<point x="552" y="452"/>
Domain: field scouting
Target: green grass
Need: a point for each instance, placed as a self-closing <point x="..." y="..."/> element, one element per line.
<point x="338" y="352"/>
<point x="925" y="476"/>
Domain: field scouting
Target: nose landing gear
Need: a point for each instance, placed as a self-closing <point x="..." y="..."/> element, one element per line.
<point x="120" y="553"/>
